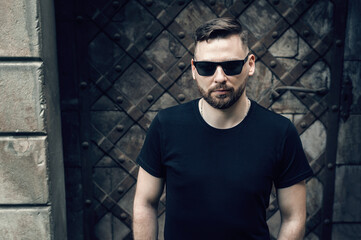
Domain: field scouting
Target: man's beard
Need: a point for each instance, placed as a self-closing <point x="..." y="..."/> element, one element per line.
<point x="222" y="101"/>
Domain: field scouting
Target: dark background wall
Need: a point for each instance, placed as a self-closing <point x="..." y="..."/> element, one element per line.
<point x="122" y="61"/>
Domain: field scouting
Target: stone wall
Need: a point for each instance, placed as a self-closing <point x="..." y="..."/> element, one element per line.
<point x="32" y="199"/>
<point x="347" y="201"/>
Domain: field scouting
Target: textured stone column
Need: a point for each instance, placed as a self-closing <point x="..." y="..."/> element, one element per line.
<point x="32" y="199"/>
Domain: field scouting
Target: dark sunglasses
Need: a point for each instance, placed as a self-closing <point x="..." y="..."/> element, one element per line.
<point x="230" y="68"/>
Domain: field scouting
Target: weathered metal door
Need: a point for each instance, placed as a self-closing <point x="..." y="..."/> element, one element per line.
<point x="132" y="58"/>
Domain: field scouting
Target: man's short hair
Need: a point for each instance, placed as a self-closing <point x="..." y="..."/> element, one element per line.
<point x="220" y="28"/>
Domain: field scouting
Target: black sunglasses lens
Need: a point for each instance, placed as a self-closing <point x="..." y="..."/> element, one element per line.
<point x="205" y="68"/>
<point x="232" y="67"/>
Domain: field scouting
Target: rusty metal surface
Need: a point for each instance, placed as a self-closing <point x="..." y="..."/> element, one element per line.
<point x="134" y="59"/>
<point x="334" y="102"/>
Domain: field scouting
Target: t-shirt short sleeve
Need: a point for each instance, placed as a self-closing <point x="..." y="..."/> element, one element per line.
<point x="150" y="157"/>
<point x="294" y="166"/>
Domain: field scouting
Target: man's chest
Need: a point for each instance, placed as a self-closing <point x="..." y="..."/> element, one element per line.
<point x="237" y="164"/>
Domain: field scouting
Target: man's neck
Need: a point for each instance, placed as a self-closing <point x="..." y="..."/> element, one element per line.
<point x="225" y="118"/>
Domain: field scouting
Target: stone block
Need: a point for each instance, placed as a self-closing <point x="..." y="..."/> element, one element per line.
<point x="347" y="201"/>
<point x="288" y="104"/>
<point x="260" y="82"/>
<point x="19" y="32"/>
<point x="258" y="13"/>
<point x="314" y="140"/>
<point x="29" y="223"/>
<point x="286" y="45"/>
<point x="346" y="231"/>
<point x="319" y="17"/>
<point x="314" y="196"/>
<point x="349" y="141"/>
<point x="318" y="76"/>
<point x="22" y="105"/>
<point x="23" y="170"/>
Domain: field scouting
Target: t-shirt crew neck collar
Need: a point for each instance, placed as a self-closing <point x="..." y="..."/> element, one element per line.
<point x="219" y="130"/>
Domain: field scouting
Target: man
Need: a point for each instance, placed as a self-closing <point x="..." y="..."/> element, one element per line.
<point x="221" y="154"/>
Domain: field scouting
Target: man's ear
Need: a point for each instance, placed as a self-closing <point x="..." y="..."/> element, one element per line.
<point x="252" y="64"/>
<point x="193" y="70"/>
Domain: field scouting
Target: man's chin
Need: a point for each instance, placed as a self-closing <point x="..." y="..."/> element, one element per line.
<point x="219" y="103"/>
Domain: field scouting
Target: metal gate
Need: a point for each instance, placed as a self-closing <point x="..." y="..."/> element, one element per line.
<point x="129" y="59"/>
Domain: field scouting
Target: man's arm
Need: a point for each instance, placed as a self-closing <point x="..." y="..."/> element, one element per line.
<point x="292" y="204"/>
<point x="148" y="192"/>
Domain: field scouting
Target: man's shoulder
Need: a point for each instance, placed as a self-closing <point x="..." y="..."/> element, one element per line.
<point x="270" y="119"/>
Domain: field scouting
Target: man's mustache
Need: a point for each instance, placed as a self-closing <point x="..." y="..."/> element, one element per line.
<point x="221" y="86"/>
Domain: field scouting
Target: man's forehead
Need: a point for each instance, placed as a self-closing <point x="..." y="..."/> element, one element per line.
<point x="219" y="41"/>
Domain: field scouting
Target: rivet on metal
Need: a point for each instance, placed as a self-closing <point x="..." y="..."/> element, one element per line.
<point x="116" y="4"/>
<point x="304" y="63"/>
<point x="149" y="67"/>
<point x="120" y="128"/>
<point x="273" y="64"/>
<point x="338" y="43"/>
<point x="150" y="98"/>
<point x="121" y="159"/>
<point x="85" y="145"/>
<point x="148" y="35"/>
<point x="303" y="124"/>
<point x="326" y="221"/>
<point x="181" y="35"/>
<point x="116" y="36"/>
<point x="180" y="3"/>
<point x="181" y="65"/>
<point x="275" y="2"/>
<point x="212" y="2"/>
<point x="88" y="202"/>
<point x="83" y="85"/>
<point x="118" y="68"/>
<point x="334" y="108"/>
<point x="149" y="2"/>
<point x="119" y="99"/>
<point x="181" y="97"/>
<point x="123" y="216"/>
<point x="275" y="34"/>
<point x="306" y="33"/>
<point x="330" y="166"/>
<point x="120" y="190"/>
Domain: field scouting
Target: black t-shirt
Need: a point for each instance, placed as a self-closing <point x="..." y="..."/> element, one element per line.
<point x="218" y="181"/>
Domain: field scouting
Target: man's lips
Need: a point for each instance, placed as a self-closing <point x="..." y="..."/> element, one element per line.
<point x="221" y="91"/>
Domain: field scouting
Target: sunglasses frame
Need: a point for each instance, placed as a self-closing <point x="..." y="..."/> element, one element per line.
<point x="222" y="64"/>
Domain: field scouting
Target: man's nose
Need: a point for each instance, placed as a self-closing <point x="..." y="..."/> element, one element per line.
<point x="220" y="76"/>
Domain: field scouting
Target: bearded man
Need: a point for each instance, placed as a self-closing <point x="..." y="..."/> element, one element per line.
<point x="221" y="154"/>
